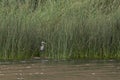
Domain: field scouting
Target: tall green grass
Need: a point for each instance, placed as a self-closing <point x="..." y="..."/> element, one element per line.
<point x="72" y="29"/>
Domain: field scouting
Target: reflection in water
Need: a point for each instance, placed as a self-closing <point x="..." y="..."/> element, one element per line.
<point x="60" y="70"/>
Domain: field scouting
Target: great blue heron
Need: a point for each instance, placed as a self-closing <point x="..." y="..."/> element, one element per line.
<point x="42" y="46"/>
<point x="41" y="49"/>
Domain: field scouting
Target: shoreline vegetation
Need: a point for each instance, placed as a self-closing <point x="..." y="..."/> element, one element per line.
<point x="72" y="29"/>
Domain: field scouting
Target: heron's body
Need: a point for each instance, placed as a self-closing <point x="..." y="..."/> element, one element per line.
<point x="42" y="47"/>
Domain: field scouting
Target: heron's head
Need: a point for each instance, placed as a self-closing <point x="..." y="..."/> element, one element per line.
<point x="43" y="43"/>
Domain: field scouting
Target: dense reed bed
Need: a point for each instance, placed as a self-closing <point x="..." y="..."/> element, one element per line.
<point x="72" y="29"/>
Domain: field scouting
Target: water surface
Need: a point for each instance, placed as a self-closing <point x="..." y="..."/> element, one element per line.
<point x="60" y="70"/>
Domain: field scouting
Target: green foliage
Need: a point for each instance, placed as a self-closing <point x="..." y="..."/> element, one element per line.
<point x="73" y="29"/>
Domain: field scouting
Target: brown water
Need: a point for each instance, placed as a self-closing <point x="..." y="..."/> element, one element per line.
<point x="60" y="70"/>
